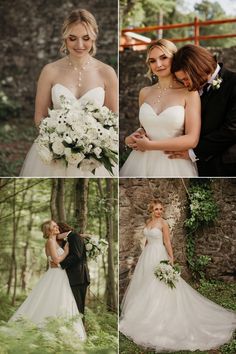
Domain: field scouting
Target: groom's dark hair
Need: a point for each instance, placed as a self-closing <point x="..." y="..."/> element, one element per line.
<point x="63" y="227"/>
<point x="197" y="62"/>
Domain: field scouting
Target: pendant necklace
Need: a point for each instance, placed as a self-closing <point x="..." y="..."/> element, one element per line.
<point x="162" y="92"/>
<point x="79" y="70"/>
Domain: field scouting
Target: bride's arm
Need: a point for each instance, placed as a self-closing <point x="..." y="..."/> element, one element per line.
<point x="140" y="131"/>
<point x="192" y="130"/>
<point x="167" y="242"/>
<point x="43" y="94"/>
<point x="111" y="88"/>
<point x="51" y="244"/>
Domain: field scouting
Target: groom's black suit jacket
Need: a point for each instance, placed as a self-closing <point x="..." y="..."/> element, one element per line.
<point x="216" y="149"/>
<point x="75" y="263"/>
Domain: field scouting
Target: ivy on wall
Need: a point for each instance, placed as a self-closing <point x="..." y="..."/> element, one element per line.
<point x="202" y="212"/>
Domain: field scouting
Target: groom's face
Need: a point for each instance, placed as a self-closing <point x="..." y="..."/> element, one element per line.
<point x="183" y="77"/>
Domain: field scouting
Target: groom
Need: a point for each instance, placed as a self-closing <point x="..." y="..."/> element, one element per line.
<point x="75" y="265"/>
<point x="198" y="70"/>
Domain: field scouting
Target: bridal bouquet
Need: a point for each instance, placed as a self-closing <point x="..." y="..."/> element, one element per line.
<point x="80" y="133"/>
<point x="165" y="272"/>
<point x="95" y="247"/>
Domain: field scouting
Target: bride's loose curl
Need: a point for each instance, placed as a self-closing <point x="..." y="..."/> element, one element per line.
<point x="87" y="20"/>
<point x="168" y="48"/>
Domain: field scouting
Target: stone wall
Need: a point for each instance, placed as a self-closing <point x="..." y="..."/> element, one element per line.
<point x="132" y="78"/>
<point x="217" y="241"/>
<point x="30" y="37"/>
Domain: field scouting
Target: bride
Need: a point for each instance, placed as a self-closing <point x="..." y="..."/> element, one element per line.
<point x="52" y="296"/>
<point x="77" y="75"/>
<point x="156" y="316"/>
<point x="170" y="116"/>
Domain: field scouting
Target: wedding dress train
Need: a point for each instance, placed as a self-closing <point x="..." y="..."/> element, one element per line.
<point x="155" y="163"/>
<point x="51" y="297"/>
<point x="156" y="316"/>
<point x="33" y="165"/>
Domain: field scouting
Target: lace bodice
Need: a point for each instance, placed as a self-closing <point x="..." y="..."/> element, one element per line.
<point x="169" y="123"/>
<point x="153" y="235"/>
<point x="97" y="94"/>
<point x="60" y="252"/>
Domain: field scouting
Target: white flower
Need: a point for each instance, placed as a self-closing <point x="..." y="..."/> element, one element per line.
<point x="97" y="152"/>
<point x="58" y="147"/>
<point x="216" y="83"/>
<point x="88" y="247"/>
<point x="75" y="158"/>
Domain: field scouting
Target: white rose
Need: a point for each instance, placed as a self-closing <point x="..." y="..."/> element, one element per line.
<point x="88" y="247"/>
<point x="58" y="147"/>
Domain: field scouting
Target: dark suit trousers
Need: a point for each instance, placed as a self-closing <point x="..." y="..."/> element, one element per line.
<point x="79" y="292"/>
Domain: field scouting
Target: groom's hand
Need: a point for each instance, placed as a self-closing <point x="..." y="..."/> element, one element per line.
<point x="53" y="265"/>
<point x="178" y="155"/>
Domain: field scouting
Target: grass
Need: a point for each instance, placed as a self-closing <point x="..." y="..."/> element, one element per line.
<point x="15" y="140"/>
<point x="221" y="293"/>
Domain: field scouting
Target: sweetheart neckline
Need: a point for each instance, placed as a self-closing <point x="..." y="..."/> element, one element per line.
<point x="155" y="227"/>
<point x="176" y="105"/>
<point x="77" y="98"/>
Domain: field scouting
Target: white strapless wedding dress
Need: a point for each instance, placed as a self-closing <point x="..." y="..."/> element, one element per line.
<point x="156" y="316"/>
<point x="51" y="297"/>
<point x="33" y="165"/>
<point x="168" y="124"/>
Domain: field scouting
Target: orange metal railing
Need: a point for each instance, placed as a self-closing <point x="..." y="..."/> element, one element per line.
<point x="196" y="24"/>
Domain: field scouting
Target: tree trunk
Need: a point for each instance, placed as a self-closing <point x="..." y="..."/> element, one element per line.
<point x="13" y="266"/>
<point x="81" y="203"/>
<point x="110" y="285"/>
<point x="53" y="204"/>
<point x="60" y="200"/>
<point x="24" y="267"/>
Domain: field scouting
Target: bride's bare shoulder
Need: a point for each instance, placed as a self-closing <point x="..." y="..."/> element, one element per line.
<point x="55" y="66"/>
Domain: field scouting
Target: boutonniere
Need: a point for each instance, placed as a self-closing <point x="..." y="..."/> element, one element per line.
<point x="216" y="83"/>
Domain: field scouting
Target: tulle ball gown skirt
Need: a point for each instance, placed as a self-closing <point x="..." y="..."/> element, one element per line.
<point x="157" y="317"/>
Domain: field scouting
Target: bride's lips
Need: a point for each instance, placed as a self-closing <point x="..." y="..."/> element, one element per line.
<point x="79" y="50"/>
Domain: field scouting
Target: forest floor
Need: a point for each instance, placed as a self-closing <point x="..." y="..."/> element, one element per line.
<point x="15" y="140"/>
<point x="221" y="293"/>
<point x="57" y="335"/>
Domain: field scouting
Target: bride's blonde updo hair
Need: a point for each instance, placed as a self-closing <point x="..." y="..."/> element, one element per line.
<point x="88" y="20"/>
<point x="168" y="48"/>
<point x="153" y="203"/>
<point x="46" y="228"/>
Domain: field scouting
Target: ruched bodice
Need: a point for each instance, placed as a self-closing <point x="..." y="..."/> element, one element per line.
<point x="153" y="235"/>
<point x="155" y="163"/>
<point x="168" y="124"/>
<point x="96" y="94"/>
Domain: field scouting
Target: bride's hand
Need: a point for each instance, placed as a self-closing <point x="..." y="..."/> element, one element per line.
<point x="62" y="235"/>
<point x="142" y="143"/>
<point x="178" y="155"/>
<point x="171" y="260"/>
